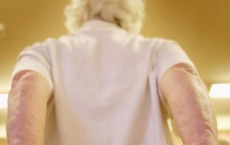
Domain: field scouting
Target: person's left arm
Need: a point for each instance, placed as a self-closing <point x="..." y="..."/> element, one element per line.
<point x="189" y="104"/>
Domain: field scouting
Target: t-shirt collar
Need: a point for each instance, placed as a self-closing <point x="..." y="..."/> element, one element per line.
<point x="98" y="24"/>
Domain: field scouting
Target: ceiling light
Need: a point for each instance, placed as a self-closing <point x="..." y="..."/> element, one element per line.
<point x="223" y="122"/>
<point x="3" y="101"/>
<point x="220" y="91"/>
<point x="2" y="132"/>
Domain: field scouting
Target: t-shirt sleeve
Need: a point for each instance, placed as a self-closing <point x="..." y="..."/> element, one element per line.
<point x="34" y="58"/>
<point x="169" y="53"/>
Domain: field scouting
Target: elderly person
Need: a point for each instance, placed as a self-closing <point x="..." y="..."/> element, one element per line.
<point x="104" y="84"/>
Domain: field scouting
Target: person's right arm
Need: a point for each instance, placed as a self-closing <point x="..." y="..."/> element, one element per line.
<point x="27" y="102"/>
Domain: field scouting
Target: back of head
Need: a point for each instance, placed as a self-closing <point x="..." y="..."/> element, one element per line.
<point x="127" y="14"/>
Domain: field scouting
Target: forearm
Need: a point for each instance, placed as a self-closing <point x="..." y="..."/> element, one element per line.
<point x="191" y="108"/>
<point x="194" y="118"/>
<point x="27" y="107"/>
<point x="25" y="127"/>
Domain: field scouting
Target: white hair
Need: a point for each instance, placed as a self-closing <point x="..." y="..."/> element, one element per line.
<point x="127" y="14"/>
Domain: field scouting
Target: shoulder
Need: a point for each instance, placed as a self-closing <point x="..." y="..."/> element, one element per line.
<point x="160" y="45"/>
<point x="157" y="41"/>
<point x="51" y="43"/>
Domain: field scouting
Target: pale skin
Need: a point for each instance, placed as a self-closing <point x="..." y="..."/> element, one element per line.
<point x="183" y="90"/>
<point x="189" y="103"/>
<point x="27" y="109"/>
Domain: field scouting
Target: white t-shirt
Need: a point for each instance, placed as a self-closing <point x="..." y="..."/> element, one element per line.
<point x="105" y="85"/>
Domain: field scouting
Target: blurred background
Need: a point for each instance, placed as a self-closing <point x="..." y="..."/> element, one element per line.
<point x="201" y="27"/>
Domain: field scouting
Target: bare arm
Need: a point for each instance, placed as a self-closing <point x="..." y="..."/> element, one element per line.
<point x="27" y="109"/>
<point x="190" y="106"/>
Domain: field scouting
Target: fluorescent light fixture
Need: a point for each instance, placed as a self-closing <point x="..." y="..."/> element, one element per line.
<point x="220" y="91"/>
<point x="3" y="101"/>
<point x="2" y="132"/>
<point x="223" y="122"/>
